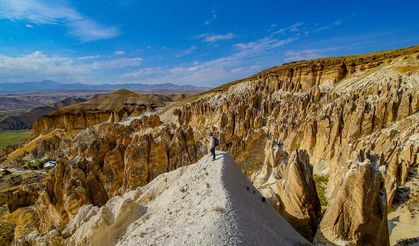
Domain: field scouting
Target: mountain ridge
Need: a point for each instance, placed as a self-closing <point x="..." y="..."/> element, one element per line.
<point x="49" y="85"/>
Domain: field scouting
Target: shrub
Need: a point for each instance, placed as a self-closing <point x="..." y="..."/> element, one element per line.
<point x="321" y="184"/>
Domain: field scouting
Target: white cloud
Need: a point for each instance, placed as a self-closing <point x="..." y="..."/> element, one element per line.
<point x="240" y="63"/>
<point x="187" y="51"/>
<point x="298" y="55"/>
<point x="119" y="52"/>
<point x="142" y="72"/>
<point x="88" y="30"/>
<point x="29" y="26"/>
<point x="263" y="44"/>
<point x="39" y="66"/>
<point x="115" y="63"/>
<point x="88" y="57"/>
<point x="56" y="13"/>
<point x="213" y="17"/>
<point x="326" y="27"/>
<point x="237" y="70"/>
<point x="216" y="37"/>
<point x="291" y="28"/>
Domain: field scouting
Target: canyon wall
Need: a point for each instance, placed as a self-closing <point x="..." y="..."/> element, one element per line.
<point x="331" y="108"/>
<point x="283" y="125"/>
<point x="82" y="119"/>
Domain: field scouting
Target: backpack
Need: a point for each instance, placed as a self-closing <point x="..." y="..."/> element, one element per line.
<point x="216" y="141"/>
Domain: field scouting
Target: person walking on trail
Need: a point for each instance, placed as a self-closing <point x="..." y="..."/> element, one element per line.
<point x="214" y="142"/>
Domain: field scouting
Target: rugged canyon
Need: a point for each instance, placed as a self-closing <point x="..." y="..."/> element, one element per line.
<point x="330" y="143"/>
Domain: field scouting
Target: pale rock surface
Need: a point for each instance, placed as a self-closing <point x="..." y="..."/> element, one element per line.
<point x="208" y="203"/>
<point x="288" y="183"/>
<point x="300" y="203"/>
<point x="357" y="210"/>
<point x="403" y="221"/>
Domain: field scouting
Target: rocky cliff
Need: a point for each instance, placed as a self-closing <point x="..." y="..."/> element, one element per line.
<point x="111" y="107"/>
<point x="329" y="107"/>
<point x="283" y="126"/>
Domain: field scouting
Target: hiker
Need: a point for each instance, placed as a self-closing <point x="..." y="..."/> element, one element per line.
<point x="214" y="142"/>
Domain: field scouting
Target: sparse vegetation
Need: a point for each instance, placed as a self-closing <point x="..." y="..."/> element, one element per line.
<point x="321" y="184"/>
<point x="13" y="137"/>
<point x="405" y="69"/>
<point x="36" y="165"/>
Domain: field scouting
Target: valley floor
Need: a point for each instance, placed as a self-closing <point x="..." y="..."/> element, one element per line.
<point x="13" y="137"/>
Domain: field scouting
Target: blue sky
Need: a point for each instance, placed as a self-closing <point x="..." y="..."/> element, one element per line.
<point x="204" y="43"/>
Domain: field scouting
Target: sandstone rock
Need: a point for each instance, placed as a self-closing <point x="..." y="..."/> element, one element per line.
<point x="271" y="170"/>
<point x="357" y="212"/>
<point x="104" y="167"/>
<point x="111" y="107"/>
<point x="300" y="204"/>
<point x="51" y="238"/>
<point x="20" y="197"/>
<point x="105" y="225"/>
<point x="6" y="233"/>
<point x="22" y="220"/>
<point x="146" y="122"/>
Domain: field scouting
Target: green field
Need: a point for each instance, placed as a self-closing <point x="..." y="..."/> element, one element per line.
<point x="13" y="137"/>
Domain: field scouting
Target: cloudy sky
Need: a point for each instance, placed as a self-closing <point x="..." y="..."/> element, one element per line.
<point x="204" y="43"/>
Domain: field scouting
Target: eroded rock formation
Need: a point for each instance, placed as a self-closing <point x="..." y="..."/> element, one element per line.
<point x="289" y="185"/>
<point x="330" y="107"/>
<point x="357" y="214"/>
<point x="108" y="161"/>
<point x="111" y="107"/>
<point x="327" y="109"/>
<point x="300" y="204"/>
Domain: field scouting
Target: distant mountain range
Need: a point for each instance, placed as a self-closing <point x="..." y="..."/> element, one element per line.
<point x="25" y="119"/>
<point x="48" y="85"/>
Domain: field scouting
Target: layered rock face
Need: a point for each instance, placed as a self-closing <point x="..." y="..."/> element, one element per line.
<point x="300" y="204"/>
<point x="111" y="107"/>
<point x="357" y="214"/>
<point x="281" y="126"/>
<point x="288" y="183"/>
<point x="329" y="107"/>
<point x="20" y="189"/>
<point x="25" y="120"/>
<point x="18" y="193"/>
<point x="108" y="161"/>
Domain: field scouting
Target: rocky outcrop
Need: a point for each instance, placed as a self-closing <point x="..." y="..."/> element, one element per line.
<point x="289" y="185"/>
<point x="357" y="213"/>
<point x="21" y="189"/>
<point x="206" y="203"/>
<point x="23" y="222"/>
<point x="300" y="204"/>
<point x="111" y="107"/>
<point x="6" y="233"/>
<point x="107" y="162"/>
<point x="104" y="225"/>
<point x="329" y="107"/>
